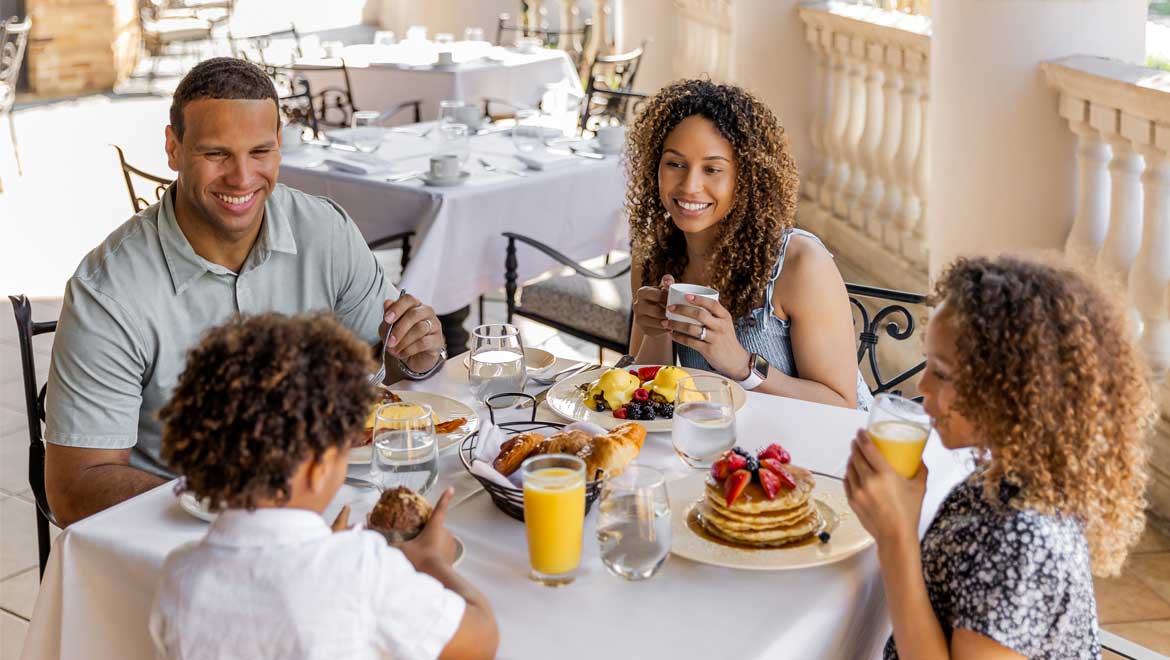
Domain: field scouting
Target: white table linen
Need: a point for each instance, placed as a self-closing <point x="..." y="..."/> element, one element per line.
<point x="458" y="252"/>
<point x="95" y="599"/>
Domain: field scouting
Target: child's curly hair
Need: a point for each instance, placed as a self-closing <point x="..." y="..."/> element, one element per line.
<point x="1048" y="373"/>
<point x="261" y="395"/>
<point x="767" y="186"/>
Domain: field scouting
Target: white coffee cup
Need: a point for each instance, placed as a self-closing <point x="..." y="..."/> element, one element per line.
<point x="611" y="139"/>
<point x="292" y="136"/>
<point x="528" y="44"/>
<point x="471" y="115"/>
<point x="446" y="58"/>
<point x="678" y="296"/>
<point x="445" y="167"/>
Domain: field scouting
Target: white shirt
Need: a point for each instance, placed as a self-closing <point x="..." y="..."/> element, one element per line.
<point x="278" y="583"/>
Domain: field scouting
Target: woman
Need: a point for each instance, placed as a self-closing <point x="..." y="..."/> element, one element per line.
<point x="712" y="200"/>
<point x="1033" y="367"/>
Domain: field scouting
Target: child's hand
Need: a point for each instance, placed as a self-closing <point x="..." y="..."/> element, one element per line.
<point x="435" y="543"/>
<point x="342" y="522"/>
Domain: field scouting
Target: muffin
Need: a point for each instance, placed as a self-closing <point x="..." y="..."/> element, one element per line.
<point x="399" y="515"/>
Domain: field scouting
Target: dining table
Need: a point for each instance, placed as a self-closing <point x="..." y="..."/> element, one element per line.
<point x="97" y="591"/>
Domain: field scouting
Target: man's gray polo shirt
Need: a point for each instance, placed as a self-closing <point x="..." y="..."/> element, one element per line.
<point x="143" y="298"/>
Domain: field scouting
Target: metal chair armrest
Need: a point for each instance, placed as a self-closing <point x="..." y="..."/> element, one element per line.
<point x="560" y="258"/>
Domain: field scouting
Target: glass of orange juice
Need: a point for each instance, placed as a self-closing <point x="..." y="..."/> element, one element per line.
<point x="899" y="427"/>
<point x="554" y="516"/>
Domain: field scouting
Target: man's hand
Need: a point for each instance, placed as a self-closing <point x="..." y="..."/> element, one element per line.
<point x="417" y="335"/>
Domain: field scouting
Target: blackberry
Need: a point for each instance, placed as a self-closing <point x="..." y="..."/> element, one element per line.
<point x="648" y="412"/>
<point x="742" y="452"/>
<point x="667" y="410"/>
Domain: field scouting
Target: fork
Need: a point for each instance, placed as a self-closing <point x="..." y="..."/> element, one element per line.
<point x="495" y="168"/>
<point x="381" y="375"/>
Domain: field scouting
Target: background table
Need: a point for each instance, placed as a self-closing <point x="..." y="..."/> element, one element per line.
<point x="95" y="598"/>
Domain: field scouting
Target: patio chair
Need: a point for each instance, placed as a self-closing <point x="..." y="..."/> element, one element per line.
<point x="161" y="29"/>
<point x="574" y="41"/>
<point x="609" y="89"/>
<point x="129" y="172"/>
<point x="892" y="316"/>
<point x="34" y="403"/>
<point x="260" y="48"/>
<point x="13" y="40"/>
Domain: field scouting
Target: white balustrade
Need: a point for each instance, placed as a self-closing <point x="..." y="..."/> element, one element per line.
<point x="1120" y="114"/>
<point x="867" y="189"/>
<point x="704" y="30"/>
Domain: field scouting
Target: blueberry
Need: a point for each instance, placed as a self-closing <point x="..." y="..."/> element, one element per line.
<point x="824" y="537"/>
<point x="741" y="451"/>
<point x="753" y="464"/>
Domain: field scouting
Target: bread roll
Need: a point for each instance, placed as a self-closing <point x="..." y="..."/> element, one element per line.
<point x="515" y="450"/>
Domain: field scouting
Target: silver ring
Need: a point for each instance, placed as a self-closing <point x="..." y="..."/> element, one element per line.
<point x="430" y="326"/>
<point x="703" y="334"/>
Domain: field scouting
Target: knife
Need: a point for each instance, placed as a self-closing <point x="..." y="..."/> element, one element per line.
<point x="624" y="361"/>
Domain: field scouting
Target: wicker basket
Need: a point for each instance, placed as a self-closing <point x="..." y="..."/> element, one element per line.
<point x="511" y="500"/>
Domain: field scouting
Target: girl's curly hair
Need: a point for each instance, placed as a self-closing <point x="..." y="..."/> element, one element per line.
<point x="261" y="395"/>
<point x="766" y="190"/>
<point x="1048" y="373"/>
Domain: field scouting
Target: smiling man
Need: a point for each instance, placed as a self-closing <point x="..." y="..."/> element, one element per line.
<point x="225" y="238"/>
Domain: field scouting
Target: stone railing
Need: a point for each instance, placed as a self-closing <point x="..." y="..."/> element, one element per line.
<point x="867" y="190"/>
<point x="909" y="6"/>
<point x="1120" y="114"/>
<point x="703" y="30"/>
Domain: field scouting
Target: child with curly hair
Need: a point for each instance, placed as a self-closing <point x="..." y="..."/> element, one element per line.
<point x="260" y="425"/>
<point x="712" y="201"/>
<point x="1033" y="367"/>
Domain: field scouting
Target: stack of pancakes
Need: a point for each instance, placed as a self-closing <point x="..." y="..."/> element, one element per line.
<point x="754" y="520"/>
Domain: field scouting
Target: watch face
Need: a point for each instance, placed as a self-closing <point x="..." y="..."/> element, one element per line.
<point x="760" y="365"/>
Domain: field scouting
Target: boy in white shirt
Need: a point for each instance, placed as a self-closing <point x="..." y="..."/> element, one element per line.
<point x="261" y="422"/>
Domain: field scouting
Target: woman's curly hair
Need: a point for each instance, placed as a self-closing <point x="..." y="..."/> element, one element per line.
<point x="1048" y="373"/>
<point x="261" y="395"/>
<point x="766" y="190"/>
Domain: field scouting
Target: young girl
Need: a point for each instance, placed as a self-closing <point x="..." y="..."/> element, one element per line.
<point x="260" y="424"/>
<point x="712" y="201"/>
<point x="1034" y="368"/>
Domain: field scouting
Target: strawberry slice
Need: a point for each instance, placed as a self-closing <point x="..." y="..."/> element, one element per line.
<point x="736" y="462"/>
<point x="648" y="373"/>
<point x="770" y="483"/>
<point x="734" y="485"/>
<point x="776" y="467"/>
<point x="720" y="469"/>
<point x="775" y="451"/>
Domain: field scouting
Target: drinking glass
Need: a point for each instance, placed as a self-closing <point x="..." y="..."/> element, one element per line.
<point x="633" y="523"/>
<point x="554" y="516"/>
<point x="704" y="420"/>
<point x="899" y="428"/>
<point x="528" y="134"/>
<point x="405" y="451"/>
<point x="416" y="33"/>
<point x="366" y="135"/>
<point x="384" y="38"/>
<point x="497" y="361"/>
<point x="444" y="38"/>
<point x="453" y="139"/>
<point x="473" y="34"/>
<point x="449" y="111"/>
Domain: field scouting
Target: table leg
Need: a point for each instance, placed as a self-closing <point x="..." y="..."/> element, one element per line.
<point x="453" y="332"/>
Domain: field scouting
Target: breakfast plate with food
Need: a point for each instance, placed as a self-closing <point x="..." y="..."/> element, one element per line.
<point x="643" y="394"/>
<point x="454" y="420"/>
<point x="759" y="511"/>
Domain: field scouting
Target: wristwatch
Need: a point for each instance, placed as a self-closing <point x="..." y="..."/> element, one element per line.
<point x="419" y="375"/>
<point x="757" y="372"/>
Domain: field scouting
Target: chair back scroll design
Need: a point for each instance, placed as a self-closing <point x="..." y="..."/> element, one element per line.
<point x="140" y="202"/>
<point x="895" y="319"/>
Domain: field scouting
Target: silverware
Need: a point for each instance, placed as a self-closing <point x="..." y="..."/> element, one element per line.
<point x="549" y="380"/>
<point x="377" y="378"/>
<point x="399" y="178"/>
<point x="573" y="151"/>
<point x="496" y="168"/>
<point x="623" y="362"/>
<point x="406" y="131"/>
<point x="340" y="146"/>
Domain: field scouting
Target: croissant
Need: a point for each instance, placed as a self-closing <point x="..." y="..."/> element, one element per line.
<point x="567" y="442"/>
<point x="611" y="453"/>
<point x="515" y="450"/>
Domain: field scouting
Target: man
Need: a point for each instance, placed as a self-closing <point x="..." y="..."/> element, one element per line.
<point x="224" y="238"/>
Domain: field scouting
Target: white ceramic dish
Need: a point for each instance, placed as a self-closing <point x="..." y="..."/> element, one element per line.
<point x="446" y="183"/>
<point x="536" y="360"/>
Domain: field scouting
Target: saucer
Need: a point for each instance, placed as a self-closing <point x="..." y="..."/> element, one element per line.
<point x="595" y="145"/>
<point x="446" y="183"/>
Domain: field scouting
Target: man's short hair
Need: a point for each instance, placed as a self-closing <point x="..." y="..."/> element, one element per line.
<point x="221" y="78"/>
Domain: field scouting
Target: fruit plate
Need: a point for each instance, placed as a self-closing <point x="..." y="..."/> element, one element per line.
<point x="445" y="408"/>
<point x="568" y="400"/>
<point x="847" y="536"/>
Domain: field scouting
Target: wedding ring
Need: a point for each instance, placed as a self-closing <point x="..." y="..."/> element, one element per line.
<point x="703" y="334"/>
<point x="430" y="326"/>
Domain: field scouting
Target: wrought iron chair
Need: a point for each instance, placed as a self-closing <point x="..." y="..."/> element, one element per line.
<point x="609" y="88"/>
<point x="129" y="171"/>
<point x="13" y="40"/>
<point x="34" y="402"/>
<point x="295" y="97"/>
<point x="603" y="107"/>
<point x="898" y="323"/>
<point x="573" y="40"/>
<point x="161" y="28"/>
<point x="259" y="49"/>
<point x="589" y="305"/>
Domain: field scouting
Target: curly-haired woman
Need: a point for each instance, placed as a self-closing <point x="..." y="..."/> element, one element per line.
<point x="712" y="201"/>
<point x="260" y="424"/>
<point x="1033" y="367"/>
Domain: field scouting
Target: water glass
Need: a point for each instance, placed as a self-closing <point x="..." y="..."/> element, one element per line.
<point x="899" y="428"/>
<point x="405" y="451"/>
<point x="384" y="38"/>
<point x="528" y="134"/>
<point x="473" y="34"/>
<point x="704" y="420"/>
<point x="444" y="38"/>
<point x="554" y="516"/>
<point x="633" y="523"/>
<point x="497" y="361"/>
<point x="366" y="134"/>
<point x="450" y="111"/>
<point x="416" y="33"/>
<point x="453" y="139"/>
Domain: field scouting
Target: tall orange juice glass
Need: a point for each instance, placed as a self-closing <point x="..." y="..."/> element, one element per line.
<point x="899" y="428"/>
<point x="554" y="516"/>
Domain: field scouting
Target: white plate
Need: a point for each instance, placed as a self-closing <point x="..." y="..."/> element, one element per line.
<point x="568" y="401"/>
<point x="195" y="507"/>
<point x="595" y="145"/>
<point x="446" y="183"/>
<point x="536" y="360"/>
<point x="445" y="408"/>
<point x="847" y="536"/>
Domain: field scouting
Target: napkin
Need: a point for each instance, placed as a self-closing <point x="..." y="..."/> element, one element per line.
<point x="543" y="160"/>
<point x="486" y="450"/>
<point x="358" y="163"/>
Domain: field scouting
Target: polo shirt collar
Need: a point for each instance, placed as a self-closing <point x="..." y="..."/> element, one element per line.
<point x="266" y="527"/>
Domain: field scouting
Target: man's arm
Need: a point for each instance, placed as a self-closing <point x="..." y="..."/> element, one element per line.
<point x="81" y="481"/>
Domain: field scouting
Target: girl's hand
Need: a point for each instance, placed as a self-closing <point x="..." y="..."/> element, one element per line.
<point x="887" y="504"/>
<point x="341" y="523"/>
<point x="714" y="336"/>
<point x="650" y="307"/>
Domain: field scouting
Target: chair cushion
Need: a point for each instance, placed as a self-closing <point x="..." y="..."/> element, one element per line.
<point x="597" y="307"/>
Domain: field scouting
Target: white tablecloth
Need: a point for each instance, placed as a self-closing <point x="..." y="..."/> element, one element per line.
<point x="384" y="76"/>
<point x="97" y="591"/>
<point x="458" y="252"/>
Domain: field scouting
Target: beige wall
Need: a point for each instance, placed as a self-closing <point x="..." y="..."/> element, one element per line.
<point x="448" y="16"/>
